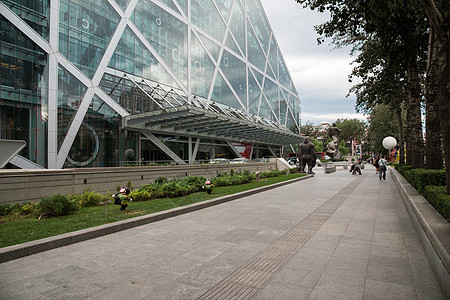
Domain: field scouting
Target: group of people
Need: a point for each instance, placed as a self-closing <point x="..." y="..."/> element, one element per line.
<point x="378" y="162"/>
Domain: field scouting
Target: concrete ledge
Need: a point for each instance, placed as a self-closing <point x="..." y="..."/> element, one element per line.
<point x="33" y="247"/>
<point x="433" y="230"/>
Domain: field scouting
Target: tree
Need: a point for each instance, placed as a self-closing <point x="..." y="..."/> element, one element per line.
<point x="382" y="124"/>
<point x="398" y="26"/>
<point x="351" y="129"/>
<point x="438" y="76"/>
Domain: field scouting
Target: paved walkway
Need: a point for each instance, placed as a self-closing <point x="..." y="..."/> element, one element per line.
<point x="334" y="236"/>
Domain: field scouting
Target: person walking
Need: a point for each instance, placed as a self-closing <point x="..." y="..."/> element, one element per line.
<point x="376" y="164"/>
<point x="382" y="167"/>
<point x="357" y="168"/>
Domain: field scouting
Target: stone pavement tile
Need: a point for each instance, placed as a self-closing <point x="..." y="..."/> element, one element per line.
<point x="382" y="290"/>
<point x="174" y="292"/>
<point x="203" y="277"/>
<point x="124" y="290"/>
<point x="388" y="240"/>
<point x="391" y="270"/>
<point x="339" y="283"/>
<point x="284" y="291"/>
<point x="65" y="275"/>
<point x="26" y="289"/>
<point x="244" y="251"/>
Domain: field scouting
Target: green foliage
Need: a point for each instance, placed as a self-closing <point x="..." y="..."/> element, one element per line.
<point x="140" y="195"/>
<point x="419" y="178"/>
<point x="88" y="198"/>
<point x="437" y="196"/>
<point x="56" y="205"/>
<point x="343" y="149"/>
<point x="402" y="168"/>
<point x="161" y="180"/>
<point x="273" y="173"/>
<point x="26" y="208"/>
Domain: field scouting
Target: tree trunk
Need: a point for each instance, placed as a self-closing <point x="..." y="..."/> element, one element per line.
<point x="433" y="142"/>
<point x="401" y="142"/>
<point x="440" y="56"/>
<point x="415" y="147"/>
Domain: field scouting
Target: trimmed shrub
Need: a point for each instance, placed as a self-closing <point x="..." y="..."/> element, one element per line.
<point x="56" y="205"/>
<point x="439" y="199"/>
<point x="140" y="195"/>
<point x="419" y="178"/>
<point x="403" y="168"/>
<point x="88" y="199"/>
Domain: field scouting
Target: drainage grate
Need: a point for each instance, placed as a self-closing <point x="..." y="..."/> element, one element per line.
<point x="246" y="281"/>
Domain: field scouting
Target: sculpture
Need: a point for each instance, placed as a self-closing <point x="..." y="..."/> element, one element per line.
<point x="333" y="146"/>
<point x="307" y="155"/>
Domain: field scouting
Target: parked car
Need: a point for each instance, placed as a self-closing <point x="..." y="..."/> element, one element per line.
<point x="240" y="160"/>
<point x="292" y="161"/>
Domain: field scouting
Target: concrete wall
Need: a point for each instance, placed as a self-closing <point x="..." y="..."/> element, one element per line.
<point x="32" y="185"/>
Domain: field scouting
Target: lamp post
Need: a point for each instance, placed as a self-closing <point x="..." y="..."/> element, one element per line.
<point x="389" y="143"/>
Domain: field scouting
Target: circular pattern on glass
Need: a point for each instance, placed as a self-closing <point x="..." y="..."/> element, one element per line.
<point x="197" y="66"/>
<point x="85" y="147"/>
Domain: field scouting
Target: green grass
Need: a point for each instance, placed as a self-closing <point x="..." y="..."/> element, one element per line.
<point x="20" y="229"/>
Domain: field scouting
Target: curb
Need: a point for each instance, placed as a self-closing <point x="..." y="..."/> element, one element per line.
<point x="433" y="230"/>
<point x="33" y="247"/>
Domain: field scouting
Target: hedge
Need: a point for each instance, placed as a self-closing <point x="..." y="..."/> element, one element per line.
<point x="419" y="178"/>
<point x="438" y="197"/>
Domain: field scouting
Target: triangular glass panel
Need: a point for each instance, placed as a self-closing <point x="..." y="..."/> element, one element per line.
<point x="167" y="34"/>
<point x="255" y="54"/>
<point x="224" y="8"/>
<point x="212" y="48"/>
<point x="260" y="23"/>
<point x="232" y="45"/>
<point x="294" y="107"/>
<point x="265" y="110"/>
<point x="202" y="69"/>
<point x="223" y="94"/>
<point x="94" y="144"/>
<point x="233" y="69"/>
<point x="169" y="3"/>
<point x="271" y="93"/>
<point x="205" y="16"/>
<point x="70" y="95"/>
<point x="269" y="71"/>
<point x="254" y="94"/>
<point x="123" y="4"/>
<point x="132" y="57"/>
<point x="93" y="26"/>
<point x="183" y="5"/>
<point x="237" y="26"/>
<point x="37" y="11"/>
<point x="283" y="108"/>
<point x="258" y="76"/>
<point x="273" y="58"/>
<point x="283" y="73"/>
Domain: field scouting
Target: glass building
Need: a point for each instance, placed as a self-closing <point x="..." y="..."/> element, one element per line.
<point x="96" y="83"/>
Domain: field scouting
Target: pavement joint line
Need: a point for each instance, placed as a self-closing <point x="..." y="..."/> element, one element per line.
<point x="37" y="246"/>
<point x="252" y="277"/>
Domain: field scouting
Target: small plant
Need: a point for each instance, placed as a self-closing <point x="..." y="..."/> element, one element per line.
<point x="56" y="205"/>
<point x="88" y="198"/>
<point x="161" y="180"/>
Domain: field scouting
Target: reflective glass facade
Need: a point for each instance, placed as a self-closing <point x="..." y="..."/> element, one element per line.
<point x="70" y="70"/>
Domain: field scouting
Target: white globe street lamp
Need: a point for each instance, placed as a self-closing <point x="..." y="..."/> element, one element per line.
<point x="389" y="142"/>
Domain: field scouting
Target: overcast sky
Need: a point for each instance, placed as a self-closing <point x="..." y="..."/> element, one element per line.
<point x="320" y="72"/>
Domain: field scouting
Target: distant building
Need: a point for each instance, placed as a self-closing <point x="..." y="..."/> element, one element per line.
<point x="102" y="82"/>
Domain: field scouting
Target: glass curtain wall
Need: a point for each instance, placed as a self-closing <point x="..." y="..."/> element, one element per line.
<point x="115" y="57"/>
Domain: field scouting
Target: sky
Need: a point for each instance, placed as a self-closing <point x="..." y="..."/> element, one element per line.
<point x="319" y="72"/>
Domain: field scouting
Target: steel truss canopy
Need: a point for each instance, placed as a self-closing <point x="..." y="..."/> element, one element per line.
<point x="207" y="122"/>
